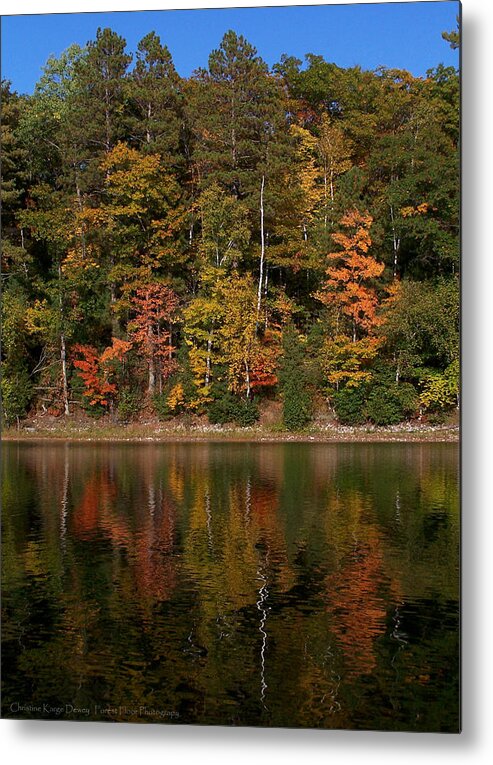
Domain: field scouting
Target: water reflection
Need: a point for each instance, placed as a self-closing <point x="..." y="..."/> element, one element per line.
<point x="285" y="584"/>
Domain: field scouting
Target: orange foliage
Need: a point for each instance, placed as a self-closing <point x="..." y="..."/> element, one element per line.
<point x="358" y="611"/>
<point x="94" y="371"/>
<point x="265" y="362"/>
<point x="154" y="304"/>
<point x="116" y="351"/>
<point x="97" y="388"/>
<point x="349" y="272"/>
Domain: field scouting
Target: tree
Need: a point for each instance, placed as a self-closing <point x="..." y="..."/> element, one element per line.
<point x="453" y="37"/>
<point x="225" y="235"/>
<point x="98" y="98"/>
<point x="155" y="306"/>
<point x="238" y="119"/>
<point x="421" y="326"/>
<point x="97" y="370"/>
<point x="97" y="387"/>
<point x="16" y="381"/>
<point x="293" y="378"/>
<point x="334" y="151"/>
<point x="135" y="226"/>
<point x="155" y="120"/>
<point x="250" y="359"/>
<point x="15" y="173"/>
<point x="350" y="294"/>
<point x="350" y="275"/>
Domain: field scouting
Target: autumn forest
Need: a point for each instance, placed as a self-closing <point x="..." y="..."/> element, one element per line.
<point x="247" y="241"/>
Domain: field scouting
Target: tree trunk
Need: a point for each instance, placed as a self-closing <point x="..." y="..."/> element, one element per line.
<point x="63" y="358"/>
<point x="262" y="250"/>
<point x="208" y="359"/>
<point x="107" y="120"/>
<point x="152" y="377"/>
<point x="266" y="282"/>
<point x="148" y="132"/>
<point x="396" y="242"/>
<point x="325" y="195"/>
<point x="247" y="370"/>
<point x="63" y="349"/>
<point x="152" y="371"/>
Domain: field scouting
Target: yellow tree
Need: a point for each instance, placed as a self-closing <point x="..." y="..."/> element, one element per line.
<point x="225" y="235"/>
<point x="135" y="226"/>
<point x="251" y="359"/>
<point x="334" y="151"/>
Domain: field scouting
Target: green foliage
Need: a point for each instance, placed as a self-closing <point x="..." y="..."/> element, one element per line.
<point x="380" y="401"/>
<point x="230" y="408"/>
<point x="421" y="325"/>
<point x="390" y="404"/>
<point x="439" y="391"/>
<point x="128" y="405"/>
<point x="17" y="391"/>
<point x="293" y="378"/>
<point x="349" y="405"/>
<point x="161" y="406"/>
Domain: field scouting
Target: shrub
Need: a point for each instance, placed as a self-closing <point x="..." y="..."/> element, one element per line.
<point x="293" y="377"/>
<point x="229" y="408"/>
<point x="247" y="413"/>
<point x="409" y="399"/>
<point x="392" y="403"/>
<point x="349" y="404"/>
<point x="440" y="390"/>
<point x="383" y="406"/>
<point x="128" y="405"/>
<point x="16" y="395"/>
<point x="161" y="406"/>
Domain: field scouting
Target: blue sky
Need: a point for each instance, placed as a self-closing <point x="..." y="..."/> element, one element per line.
<point x="401" y="35"/>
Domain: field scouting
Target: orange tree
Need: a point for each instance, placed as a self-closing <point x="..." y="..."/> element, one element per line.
<point x="155" y="306"/>
<point x="350" y="294"/>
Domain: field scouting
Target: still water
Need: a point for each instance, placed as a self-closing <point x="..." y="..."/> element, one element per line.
<point x="311" y="585"/>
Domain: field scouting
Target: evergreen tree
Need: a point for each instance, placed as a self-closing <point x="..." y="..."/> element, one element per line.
<point x="155" y="119"/>
<point x="293" y="378"/>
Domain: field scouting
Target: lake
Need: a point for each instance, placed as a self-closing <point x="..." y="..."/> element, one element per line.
<point x="285" y="584"/>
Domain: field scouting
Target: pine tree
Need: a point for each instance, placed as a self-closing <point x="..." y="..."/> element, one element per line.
<point x="155" y="119"/>
<point x="296" y="399"/>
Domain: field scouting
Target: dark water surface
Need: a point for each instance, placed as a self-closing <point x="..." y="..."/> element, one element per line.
<point x="238" y="584"/>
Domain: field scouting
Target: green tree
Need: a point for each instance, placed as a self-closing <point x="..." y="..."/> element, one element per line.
<point x="293" y="379"/>
<point x="155" y="119"/>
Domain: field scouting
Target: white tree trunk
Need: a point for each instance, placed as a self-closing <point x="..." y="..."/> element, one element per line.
<point x="262" y="248"/>
<point x="63" y="348"/>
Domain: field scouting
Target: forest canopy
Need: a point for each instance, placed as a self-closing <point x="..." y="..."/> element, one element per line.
<point x="208" y="246"/>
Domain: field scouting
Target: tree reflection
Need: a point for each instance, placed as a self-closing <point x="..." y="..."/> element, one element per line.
<point x="237" y="584"/>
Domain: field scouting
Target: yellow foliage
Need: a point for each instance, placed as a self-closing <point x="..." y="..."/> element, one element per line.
<point x="176" y="397"/>
<point x="347" y="361"/>
<point x="422" y="209"/>
<point x="36" y="317"/>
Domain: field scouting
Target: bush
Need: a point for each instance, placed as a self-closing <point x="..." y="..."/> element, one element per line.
<point x="293" y="378"/>
<point x="440" y="390"/>
<point x="16" y="395"/>
<point x="128" y="405"/>
<point x="349" y="405"/>
<point x="247" y="413"/>
<point x="391" y="404"/>
<point x="383" y="406"/>
<point x="409" y="399"/>
<point x="229" y="408"/>
<point x="296" y="411"/>
<point x="161" y="406"/>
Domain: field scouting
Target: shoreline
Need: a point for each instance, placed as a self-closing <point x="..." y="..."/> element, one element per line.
<point x="151" y="433"/>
